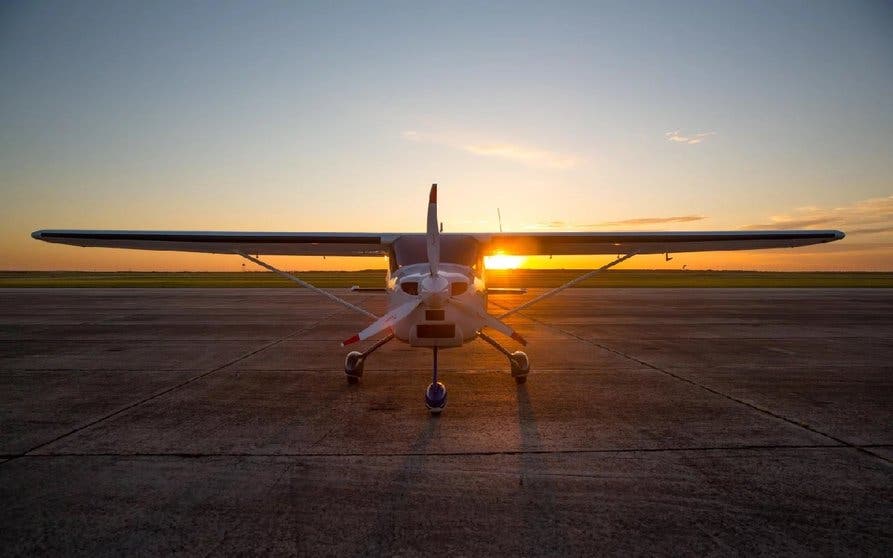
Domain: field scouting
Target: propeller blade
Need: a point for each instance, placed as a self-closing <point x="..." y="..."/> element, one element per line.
<point x="490" y="320"/>
<point x="433" y="232"/>
<point x="389" y="320"/>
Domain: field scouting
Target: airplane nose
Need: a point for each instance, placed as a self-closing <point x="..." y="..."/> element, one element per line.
<point x="839" y="234"/>
<point x="435" y="291"/>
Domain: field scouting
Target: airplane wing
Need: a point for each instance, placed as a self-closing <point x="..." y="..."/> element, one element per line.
<point x="266" y="243"/>
<point x="558" y="243"/>
<point x="377" y="244"/>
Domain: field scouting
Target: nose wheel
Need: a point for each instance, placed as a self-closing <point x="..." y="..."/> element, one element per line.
<point x="436" y="394"/>
<point x="435" y="397"/>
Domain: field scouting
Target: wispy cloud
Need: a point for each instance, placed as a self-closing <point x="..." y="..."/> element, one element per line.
<point x="692" y="139"/>
<point x="549" y="225"/>
<point x="638" y="221"/>
<point x="872" y="230"/>
<point x="530" y="156"/>
<point x="789" y="222"/>
<point x="653" y="220"/>
<point x="871" y="216"/>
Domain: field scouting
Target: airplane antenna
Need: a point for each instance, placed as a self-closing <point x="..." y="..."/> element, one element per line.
<point x="499" y="218"/>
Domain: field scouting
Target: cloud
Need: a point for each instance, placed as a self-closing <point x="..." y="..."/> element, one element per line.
<point x="412" y="135"/>
<point x="530" y="156"/>
<point x="870" y="216"/>
<point x="872" y="230"/>
<point x="689" y="140"/>
<point x="653" y="220"/>
<point x="639" y="221"/>
<point x="791" y="223"/>
<point x="549" y="225"/>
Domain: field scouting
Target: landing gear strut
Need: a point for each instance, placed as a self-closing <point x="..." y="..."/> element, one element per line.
<point x="436" y="394"/>
<point x="518" y="360"/>
<point x="355" y="360"/>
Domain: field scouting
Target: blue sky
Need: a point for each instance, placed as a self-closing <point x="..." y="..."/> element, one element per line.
<point x="336" y="116"/>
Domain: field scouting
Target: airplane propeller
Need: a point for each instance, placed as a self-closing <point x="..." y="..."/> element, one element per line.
<point x="433" y="233"/>
<point x="387" y="321"/>
<point x="434" y="290"/>
<point x="490" y="320"/>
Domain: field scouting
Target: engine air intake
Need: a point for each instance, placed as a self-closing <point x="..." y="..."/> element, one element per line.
<point x="410" y="287"/>
<point x="436" y="331"/>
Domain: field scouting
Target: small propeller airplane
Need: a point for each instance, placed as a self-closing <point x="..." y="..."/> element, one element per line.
<point x="436" y="289"/>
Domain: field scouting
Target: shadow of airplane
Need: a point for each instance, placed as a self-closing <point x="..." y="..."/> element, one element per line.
<point x="543" y="528"/>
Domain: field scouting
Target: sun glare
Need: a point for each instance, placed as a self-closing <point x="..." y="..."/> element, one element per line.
<point x="503" y="261"/>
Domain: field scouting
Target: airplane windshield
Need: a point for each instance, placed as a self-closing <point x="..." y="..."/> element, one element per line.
<point x="456" y="249"/>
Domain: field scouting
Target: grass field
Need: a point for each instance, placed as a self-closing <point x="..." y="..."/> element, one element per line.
<point x="532" y="278"/>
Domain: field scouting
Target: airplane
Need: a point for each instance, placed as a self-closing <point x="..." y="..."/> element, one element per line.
<point x="436" y="282"/>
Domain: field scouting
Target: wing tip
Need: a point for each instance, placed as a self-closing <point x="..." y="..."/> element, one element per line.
<point x="353" y="339"/>
<point x="517" y="337"/>
<point x="432" y="197"/>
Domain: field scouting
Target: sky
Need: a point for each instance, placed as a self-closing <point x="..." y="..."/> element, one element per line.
<point x="337" y="116"/>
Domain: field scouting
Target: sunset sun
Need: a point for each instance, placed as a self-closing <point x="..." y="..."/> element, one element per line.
<point x="503" y="261"/>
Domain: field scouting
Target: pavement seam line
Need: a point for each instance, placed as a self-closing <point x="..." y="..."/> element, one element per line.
<point x="205" y="339"/>
<point x="175" y="387"/>
<point x="200" y="455"/>
<point x="704" y="387"/>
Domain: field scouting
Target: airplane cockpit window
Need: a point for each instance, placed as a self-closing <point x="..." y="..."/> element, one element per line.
<point x="457" y="249"/>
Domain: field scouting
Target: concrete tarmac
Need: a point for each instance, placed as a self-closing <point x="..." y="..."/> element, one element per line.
<point x="655" y="422"/>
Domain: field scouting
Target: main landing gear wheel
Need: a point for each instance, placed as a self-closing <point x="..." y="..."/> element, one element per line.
<point x="355" y="360"/>
<point x="353" y="366"/>
<point x="517" y="360"/>
<point x="520" y="366"/>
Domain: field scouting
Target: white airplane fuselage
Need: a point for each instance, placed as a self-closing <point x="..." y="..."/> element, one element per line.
<point x="437" y="322"/>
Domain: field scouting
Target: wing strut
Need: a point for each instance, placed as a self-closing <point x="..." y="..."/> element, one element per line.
<point x="567" y="285"/>
<point x="307" y="285"/>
